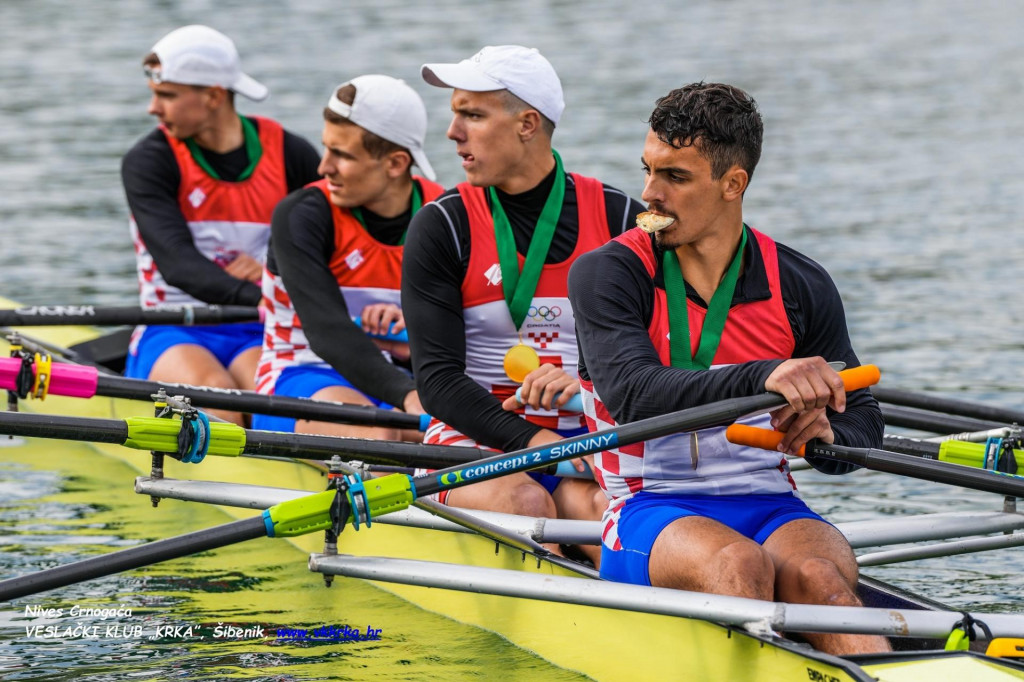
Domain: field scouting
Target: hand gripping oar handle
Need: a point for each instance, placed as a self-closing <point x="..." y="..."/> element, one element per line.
<point x="402" y="336"/>
<point x="850" y="381"/>
<point x="766" y="439"/>
<point x="38" y="316"/>
<point x="754" y="437"/>
<point x="715" y="414"/>
<point x="889" y="462"/>
<point x="575" y="403"/>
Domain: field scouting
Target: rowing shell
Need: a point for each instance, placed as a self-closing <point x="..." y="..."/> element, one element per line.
<point x="600" y="642"/>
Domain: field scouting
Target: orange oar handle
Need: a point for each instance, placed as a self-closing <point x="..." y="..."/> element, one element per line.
<point x="752" y="436"/>
<point x="766" y="439"/>
<point x="860" y="377"/>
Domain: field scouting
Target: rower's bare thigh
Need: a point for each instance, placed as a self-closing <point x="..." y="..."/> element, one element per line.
<point x="802" y="539"/>
<point x="578" y="498"/>
<point x="243" y="368"/>
<point x="512" y="494"/>
<point x="348" y="396"/>
<point x="814" y="564"/>
<point x="188" y="363"/>
<point x="698" y="553"/>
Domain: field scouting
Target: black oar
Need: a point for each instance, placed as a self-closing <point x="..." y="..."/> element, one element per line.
<point x="195" y="439"/>
<point x="251" y="402"/>
<point x="889" y="462"/>
<point x="912" y="418"/>
<point x="998" y="451"/>
<point x="715" y="414"/>
<point x="227" y="440"/>
<point x="135" y="557"/>
<point x="961" y="408"/>
<point x="43" y="315"/>
<point x="359" y="501"/>
<point x="81" y="381"/>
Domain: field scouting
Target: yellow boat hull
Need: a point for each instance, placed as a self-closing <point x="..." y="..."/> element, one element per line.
<point x="600" y="643"/>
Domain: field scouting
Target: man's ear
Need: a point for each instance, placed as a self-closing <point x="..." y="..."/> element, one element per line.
<point x="734" y="183"/>
<point x="529" y="124"/>
<point x="397" y="163"/>
<point x="216" y="96"/>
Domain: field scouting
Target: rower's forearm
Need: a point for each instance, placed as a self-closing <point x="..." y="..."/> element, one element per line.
<point x="463" y="404"/>
<point x="184" y="267"/>
<point x="347" y="349"/>
<point x="861" y="425"/>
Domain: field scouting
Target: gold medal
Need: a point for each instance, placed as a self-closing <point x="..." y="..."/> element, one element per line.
<point x="520" y="360"/>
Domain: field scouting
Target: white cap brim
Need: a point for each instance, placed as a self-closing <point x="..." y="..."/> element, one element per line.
<point x="420" y="159"/>
<point x="247" y="86"/>
<point x="463" y="76"/>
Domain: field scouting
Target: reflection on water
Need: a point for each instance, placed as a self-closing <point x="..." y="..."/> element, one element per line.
<point x="215" y="615"/>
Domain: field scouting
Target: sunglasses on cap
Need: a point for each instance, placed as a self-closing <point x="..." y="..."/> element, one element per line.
<point x="154" y="74"/>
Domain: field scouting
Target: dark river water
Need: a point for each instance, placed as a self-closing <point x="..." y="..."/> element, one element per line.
<point x="893" y="156"/>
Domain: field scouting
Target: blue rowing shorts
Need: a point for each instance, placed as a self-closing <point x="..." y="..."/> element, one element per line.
<point x="303" y="381"/>
<point x="646" y="514"/>
<point x="225" y="341"/>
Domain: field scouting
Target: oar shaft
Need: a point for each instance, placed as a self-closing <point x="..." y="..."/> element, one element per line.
<point x="911" y="446"/>
<point x="135" y="557"/>
<point x="64" y="428"/>
<point x="912" y="418"/>
<point x="924" y="469"/>
<point x="715" y="414"/>
<point x="309" y="446"/>
<point x="488" y="468"/>
<point x="150" y="433"/>
<point x="949" y="406"/>
<point x="37" y="316"/>
<point x="926" y="461"/>
<point x="79" y="381"/>
<point x="247" y="401"/>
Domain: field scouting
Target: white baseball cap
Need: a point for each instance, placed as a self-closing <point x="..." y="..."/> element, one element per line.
<point x="387" y="107"/>
<point x="523" y="71"/>
<point x="199" y="55"/>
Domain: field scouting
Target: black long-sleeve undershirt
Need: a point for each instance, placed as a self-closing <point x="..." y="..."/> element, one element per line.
<point x="613" y="296"/>
<point x="301" y="247"/>
<point x="434" y="265"/>
<point x="151" y="179"/>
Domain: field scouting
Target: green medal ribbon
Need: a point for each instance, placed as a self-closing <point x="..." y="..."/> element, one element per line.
<point x="714" y="322"/>
<point x="253" y="149"/>
<point x="519" y="287"/>
<point x="417" y="204"/>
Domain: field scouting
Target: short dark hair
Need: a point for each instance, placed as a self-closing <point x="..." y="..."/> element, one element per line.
<point x="373" y="143"/>
<point x="514" y="104"/>
<point x="720" y="120"/>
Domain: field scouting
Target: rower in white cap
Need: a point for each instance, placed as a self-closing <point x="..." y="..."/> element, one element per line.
<point x="336" y="253"/>
<point x="201" y="189"/>
<point x="484" y="286"/>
